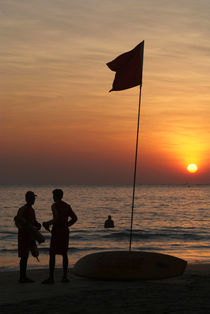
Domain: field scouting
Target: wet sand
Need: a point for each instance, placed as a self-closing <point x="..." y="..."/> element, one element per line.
<point x="186" y="294"/>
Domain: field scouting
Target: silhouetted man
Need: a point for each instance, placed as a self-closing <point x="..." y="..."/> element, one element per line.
<point x="60" y="233"/>
<point x="26" y="221"/>
<point x="109" y="223"/>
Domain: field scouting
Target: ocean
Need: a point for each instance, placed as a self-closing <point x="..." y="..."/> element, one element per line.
<point x="170" y="219"/>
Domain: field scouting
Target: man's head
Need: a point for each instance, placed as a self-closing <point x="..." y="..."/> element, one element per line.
<point x="30" y="197"/>
<point x="57" y="195"/>
<point x="109" y="217"/>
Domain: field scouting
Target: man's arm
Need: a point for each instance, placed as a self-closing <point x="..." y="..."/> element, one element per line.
<point x="47" y="224"/>
<point x="20" y="221"/>
<point x="73" y="217"/>
<point x="37" y="225"/>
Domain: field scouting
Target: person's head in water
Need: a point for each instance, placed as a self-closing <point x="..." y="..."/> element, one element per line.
<point x="30" y="197"/>
<point x="57" y="195"/>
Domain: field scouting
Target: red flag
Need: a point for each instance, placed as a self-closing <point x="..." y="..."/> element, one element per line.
<point x="128" y="67"/>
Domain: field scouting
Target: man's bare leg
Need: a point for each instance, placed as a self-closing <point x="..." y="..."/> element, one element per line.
<point x="50" y="280"/>
<point x="65" y="267"/>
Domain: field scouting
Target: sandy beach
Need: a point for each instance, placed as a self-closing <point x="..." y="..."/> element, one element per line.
<point x="186" y="294"/>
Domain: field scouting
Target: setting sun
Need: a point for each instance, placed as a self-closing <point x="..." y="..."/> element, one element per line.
<point x="192" y="168"/>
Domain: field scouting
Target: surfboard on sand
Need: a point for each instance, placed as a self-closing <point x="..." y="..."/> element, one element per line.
<point x="129" y="265"/>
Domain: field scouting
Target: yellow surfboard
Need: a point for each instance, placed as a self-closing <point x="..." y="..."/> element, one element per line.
<point x="125" y="265"/>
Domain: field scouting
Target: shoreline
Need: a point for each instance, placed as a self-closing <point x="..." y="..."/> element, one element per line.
<point x="33" y="265"/>
<point x="188" y="293"/>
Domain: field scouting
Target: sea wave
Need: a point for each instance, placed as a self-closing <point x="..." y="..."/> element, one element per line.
<point x="46" y="250"/>
<point x="189" y="234"/>
<point x="155" y="235"/>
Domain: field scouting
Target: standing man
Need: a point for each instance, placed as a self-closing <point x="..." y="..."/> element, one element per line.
<point x="60" y="233"/>
<point x="27" y="225"/>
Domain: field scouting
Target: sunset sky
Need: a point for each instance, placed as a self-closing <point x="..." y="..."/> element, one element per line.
<point x="58" y="122"/>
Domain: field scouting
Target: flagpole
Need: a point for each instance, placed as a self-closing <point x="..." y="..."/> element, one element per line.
<point x="130" y="62"/>
<point x="135" y="167"/>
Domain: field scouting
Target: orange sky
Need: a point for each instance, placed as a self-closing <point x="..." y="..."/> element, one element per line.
<point x="59" y="124"/>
